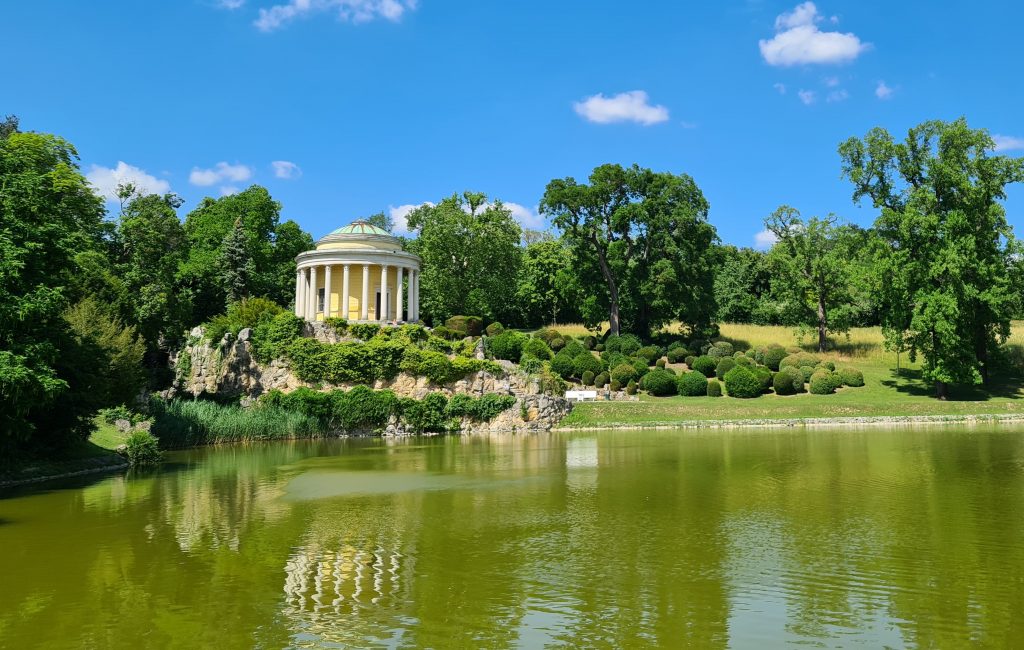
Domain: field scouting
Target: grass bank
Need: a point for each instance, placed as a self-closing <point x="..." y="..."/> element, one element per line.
<point x="886" y="393"/>
<point x="85" y="457"/>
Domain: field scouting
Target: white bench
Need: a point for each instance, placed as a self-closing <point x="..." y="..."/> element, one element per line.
<point x="580" y="395"/>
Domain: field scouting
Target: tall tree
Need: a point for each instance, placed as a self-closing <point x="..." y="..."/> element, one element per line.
<point x="381" y="220"/>
<point x="742" y="286"/>
<point x="48" y="213"/>
<point x="547" y="288"/>
<point x="812" y="265"/>
<point x="236" y="264"/>
<point x="949" y="290"/>
<point x="470" y="251"/>
<point x="647" y="237"/>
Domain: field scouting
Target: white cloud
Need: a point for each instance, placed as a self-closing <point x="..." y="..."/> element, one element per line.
<point x="228" y="190"/>
<point x="286" y="169"/>
<point x="106" y="180"/>
<point x="630" y="106"/>
<point x="837" y="96"/>
<point x="798" y="40"/>
<point x="831" y="82"/>
<point x="526" y="217"/>
<point x="764" y="239"/>
<point x="883" y="91"/>
<point x="807" y="96"/>
<point x="354" y="11"/>
<point x="220" y="172"/>
<point x="1008" y="142"/>
<point x="781" y="88"/>
<point x="400" y="216"/>
<point x="230" y="4"/>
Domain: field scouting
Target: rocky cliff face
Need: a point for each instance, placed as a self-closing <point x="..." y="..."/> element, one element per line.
<point x="229" y="370"/>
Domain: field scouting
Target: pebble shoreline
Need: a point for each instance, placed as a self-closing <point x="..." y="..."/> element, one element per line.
<point x="780" y="423"/>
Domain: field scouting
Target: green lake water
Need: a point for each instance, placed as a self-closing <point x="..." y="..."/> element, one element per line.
<point x="745" y="539"/>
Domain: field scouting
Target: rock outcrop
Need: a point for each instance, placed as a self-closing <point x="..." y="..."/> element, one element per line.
<point x="230" y="370"/>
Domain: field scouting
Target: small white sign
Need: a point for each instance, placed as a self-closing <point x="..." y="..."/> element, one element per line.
<point x="580" y="395"/>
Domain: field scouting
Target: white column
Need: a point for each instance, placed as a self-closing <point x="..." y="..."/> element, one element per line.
<point x="364" y="312"/>
<point x="327" y="292"/>
<point x="398" y="294"/>
<point x="416" y="293"/>
<point x="298" y="292"/>
<point x="343" y="302"/>
<point x="311" y="313"/>
<point x="385" y="308"/>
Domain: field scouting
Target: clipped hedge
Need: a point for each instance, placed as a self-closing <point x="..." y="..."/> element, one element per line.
<point x="650" y="354"/>
<point x="851" y="377"/>
<point x="773" y="356"/>
<point x="562" y="365"/>
<point x="601" y="380"/>
<point x="508" y="345"/>
<point x="627" y="344"/>
<point x="588" y="378"/>
<point x="678" y="355"/>
<point x="659" y="383"/>
<point x="465" y="325"/>
<point x="741" y="382"/>
<point x="587" y="362"/>
<point x="824" y="382"/>
<point x="714" y="388"/>
<point x="631" y="387"/>
<point x="788" y="381"/>
<point x="623" y="372"/>
<point x="799" y="360"/>
<point x="538" y="349"/>
<point x="724" y="365"/>
<point x="692" y="384"/>
<point x="705" y="364"/>
<point x="494" y="329"/>
<point x="271" y="338"/>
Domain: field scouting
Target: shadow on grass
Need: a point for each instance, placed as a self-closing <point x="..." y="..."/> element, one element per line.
<point x="737" y="344"/>
<point x="911" y="382"/>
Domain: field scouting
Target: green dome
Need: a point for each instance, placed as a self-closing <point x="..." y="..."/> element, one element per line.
<point x="361" y="227"/>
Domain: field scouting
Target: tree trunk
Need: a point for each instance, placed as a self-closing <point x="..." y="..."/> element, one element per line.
<point x="822" y="323"/>
<point x="941" y="390"/>
<point x="613" y="290"/>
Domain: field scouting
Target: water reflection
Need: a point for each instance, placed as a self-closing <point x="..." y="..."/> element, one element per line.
<point x="624" y="539"/>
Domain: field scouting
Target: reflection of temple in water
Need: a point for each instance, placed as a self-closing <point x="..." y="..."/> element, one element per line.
<point x="344" y="578"/>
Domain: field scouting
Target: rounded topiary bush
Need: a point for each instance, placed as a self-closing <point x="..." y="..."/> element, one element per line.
<point x="705" y="364"/>
<point x="807" y="371"/>
<point x="830" y="365"/>
<point x="714" y="388"/>
<point x="724" y="348"/>
<point x="660" y="363"/>
<point x="574" y="348"/>
<point x="494" y="329"/>
<point x="741" y="382"/>
<point x="142" y="448"/>
<point x="601" y="380"/>
<point x="590" y="341"/>
<point x="587" y="362"/>
<point x="851" y="377"/>
<point x="773" y="356"/>
<point x="659" y="383"/>
<point x="587" y="379"/>
<point x="650" y="353"/>
<point x="536" y="347"/>
<point x="599" y="347"/>
<point x="724" y="366"/>
<point x="563" y="365"/>
<point x="677" y="355"/>
<point x="822" y="383"/>
<point x="615" y="386"/>
<point x="788" y="381"/>
<point x="689" y="359"/>
<point x="623" y="372"/>
<point x="627" y="344"/>
<point x="508" y="345"/>
<point x="692" y="384"/>
<point x="557" y="343"/>
<point x="465" y="325"/>
<point x="631" y="387"/>
<point x="744" y="361"/>
<point x="547" y="334"/>
<point x="799" y="360"/>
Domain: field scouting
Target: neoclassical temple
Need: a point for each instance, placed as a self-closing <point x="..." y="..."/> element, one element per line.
<point x="357" y="273"/>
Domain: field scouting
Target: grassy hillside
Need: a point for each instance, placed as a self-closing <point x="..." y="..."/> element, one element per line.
<point x="885" y="392"/>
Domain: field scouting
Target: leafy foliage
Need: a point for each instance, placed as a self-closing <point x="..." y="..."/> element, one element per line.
<point x="692" y="384"/>
<point x="742" y="382"/>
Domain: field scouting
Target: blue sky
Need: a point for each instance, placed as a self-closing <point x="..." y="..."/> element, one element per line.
<point x="369" y="105"/>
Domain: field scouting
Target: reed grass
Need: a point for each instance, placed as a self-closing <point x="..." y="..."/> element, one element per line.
<point x="186" y="423"/>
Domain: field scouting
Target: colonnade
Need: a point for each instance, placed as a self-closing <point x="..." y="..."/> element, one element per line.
<point x="309" y="280"/>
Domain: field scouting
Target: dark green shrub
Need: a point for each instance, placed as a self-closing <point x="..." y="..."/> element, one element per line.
<point x="788" y="381"/>
<point x="465" y="325"/>
<point x="547" y="335"/>
<point x="799" y="360"/>
<point x="364" y="331"/>
<point x="689" y="359"/>
<point x="142" y="448"/>
<point x="480" y="409"/>
<point x="623" y="372"/>
<point x="806" y="371"/>
<point x="741" y="382"/>
<point x="429" y="414"/>
<point x="627" y="344"/>
<point x="830" y="365"/>
<point x="443" y="332"/>
<point x="744" y="361"/>
<point x="660" y="363"/>
<point x="773" y="355"/>
<point x="588" y="378"/>
<point x="601" y="380"/>
<point x="248" y="312"/>
<point x="615" y="386"/>
<point x="599" y="347"/>
<point x="562" y="365"/>
<point x="851" y="376"/>
<point x="495" y="329"/>
<point x="557" y="344"/>
<point x="650" y="353"/>
<point x="674" y="345"/>
<point x="575" y="349"/>
<point x="587" y="362"/>
<point x="640" y="365"/>
<point x="536" y="347"/>
<point x="508" y="345"/>
<point x="699" y="346"/>
<point x="590" y="341"/>
<point x="659" y="383"/>
<point x="716" y="353"/>
<point x="724" y="365"/>
<point x="677" y="355"/>
<point x="705" y="364"/>
<point x="764" y="376"/>
<point x="822" y="383"/>
<point x="714" y="388"/>
<point x="631" y="387"/>
<point x="721" y="349"/>
<point x="692" y="384"/>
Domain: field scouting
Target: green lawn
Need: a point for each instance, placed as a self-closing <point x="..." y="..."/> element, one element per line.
<point x="96" y="453"/>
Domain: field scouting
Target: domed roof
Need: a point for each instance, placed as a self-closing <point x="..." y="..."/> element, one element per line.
<point x="360" y="227"/>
